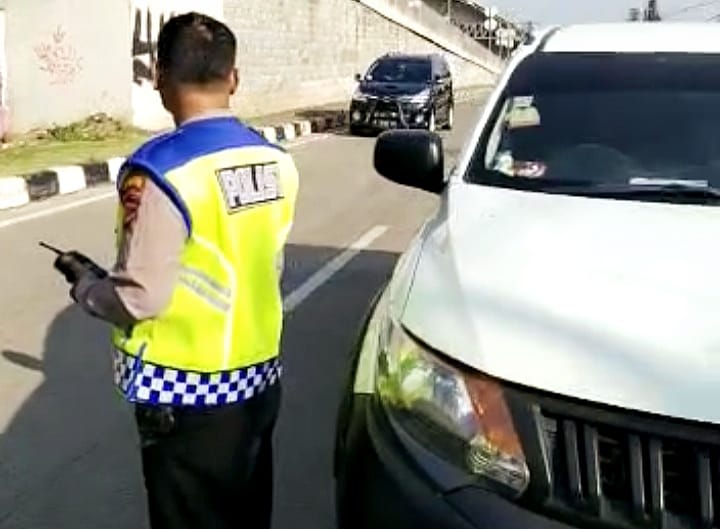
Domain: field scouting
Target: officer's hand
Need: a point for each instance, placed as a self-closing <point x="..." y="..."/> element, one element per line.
<point x="73" y="265"/>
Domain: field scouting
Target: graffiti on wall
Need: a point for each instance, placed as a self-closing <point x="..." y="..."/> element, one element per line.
<point x="146" y="28"/>
<point x="58" y="58"/>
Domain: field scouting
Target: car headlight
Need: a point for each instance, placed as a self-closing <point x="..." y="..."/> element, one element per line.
<point x="461" y="417"/>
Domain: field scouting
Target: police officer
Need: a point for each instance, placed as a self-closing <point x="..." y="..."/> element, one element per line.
<point x="194" y="296"/>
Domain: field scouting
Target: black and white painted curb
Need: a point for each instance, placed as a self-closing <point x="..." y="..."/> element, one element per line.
<point x="17" y="191"/>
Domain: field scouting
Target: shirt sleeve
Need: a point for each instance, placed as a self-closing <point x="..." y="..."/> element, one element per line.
<point x="152" y="239"/>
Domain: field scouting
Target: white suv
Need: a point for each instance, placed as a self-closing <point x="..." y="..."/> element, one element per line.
<point x="547" y="351"/>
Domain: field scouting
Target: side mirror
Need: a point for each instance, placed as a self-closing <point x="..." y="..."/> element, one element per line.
<point x="358" y="77"/>
<point x="412" y="158"/>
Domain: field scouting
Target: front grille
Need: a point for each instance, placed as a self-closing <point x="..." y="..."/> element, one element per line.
<point x="387" y="106"/>
<point x="390" y="110"/>
<point x="621" y="476"/>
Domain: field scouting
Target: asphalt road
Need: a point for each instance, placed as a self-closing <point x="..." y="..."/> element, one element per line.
<point x="68" y="454"/>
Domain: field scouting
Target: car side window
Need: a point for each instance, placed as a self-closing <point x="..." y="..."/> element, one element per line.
<point x="444" y="70"/>
<point x="436" y="73"/>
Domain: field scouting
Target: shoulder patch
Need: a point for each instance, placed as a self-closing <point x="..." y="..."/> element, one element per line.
<point x="249" y="185"/>
<point x="131" y="192"/>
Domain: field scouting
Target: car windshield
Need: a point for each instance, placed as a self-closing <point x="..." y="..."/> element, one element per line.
<point x="400" y="71"/>
<point x="638" y="125"/>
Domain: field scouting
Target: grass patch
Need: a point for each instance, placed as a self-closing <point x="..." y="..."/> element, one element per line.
<point x="94" y="139"/>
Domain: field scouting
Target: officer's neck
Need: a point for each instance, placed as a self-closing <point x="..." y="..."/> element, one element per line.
<point x="192" y="106"/>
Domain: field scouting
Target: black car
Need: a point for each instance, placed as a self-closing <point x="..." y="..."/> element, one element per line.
<point x="403" y="91"/>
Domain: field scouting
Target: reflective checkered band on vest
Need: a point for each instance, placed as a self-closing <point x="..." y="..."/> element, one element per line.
<point x="151" y="384"/>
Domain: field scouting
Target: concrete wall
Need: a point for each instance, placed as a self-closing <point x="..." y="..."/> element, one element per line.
<point x="296" y="53"/>
<point x="4" y="124"/>
<point x="66" y="59"/>
<point x="3" y="62"/>
<point x="461" y="12"/>
<point x="147" y="17"/>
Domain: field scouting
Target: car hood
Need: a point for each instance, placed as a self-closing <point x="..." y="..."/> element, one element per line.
<point x="392" y="89"/>
<point x="610" y="301"/>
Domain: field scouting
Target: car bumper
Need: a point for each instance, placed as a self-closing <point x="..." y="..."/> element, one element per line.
<point x="371" y="116"/>
<point x="381" y="486"/>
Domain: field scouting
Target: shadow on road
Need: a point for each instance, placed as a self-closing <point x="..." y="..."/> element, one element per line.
<point x="69" y="457"/>
<point x="317" y="343"/>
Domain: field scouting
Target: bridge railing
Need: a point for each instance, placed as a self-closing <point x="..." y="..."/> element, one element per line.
<point x="494" y="32"/>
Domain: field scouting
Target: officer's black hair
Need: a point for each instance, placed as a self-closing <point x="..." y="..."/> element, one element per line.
<point x="195" y="49"/>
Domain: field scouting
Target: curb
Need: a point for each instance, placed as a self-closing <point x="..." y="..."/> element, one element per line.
<point x="18" y="191"/>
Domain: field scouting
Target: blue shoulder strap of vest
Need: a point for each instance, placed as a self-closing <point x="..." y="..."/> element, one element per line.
<point x="174" y="149"/>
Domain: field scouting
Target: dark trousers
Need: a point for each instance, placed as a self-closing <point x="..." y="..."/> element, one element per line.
<point x="210" y="469"/>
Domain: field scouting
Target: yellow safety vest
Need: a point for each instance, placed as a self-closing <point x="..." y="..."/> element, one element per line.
<point x="217" y="341"/>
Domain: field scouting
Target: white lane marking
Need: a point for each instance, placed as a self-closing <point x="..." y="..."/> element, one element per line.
<point x="53" y="210"/>
<point x="324" y="274"/>
<point x="83" y="202"/>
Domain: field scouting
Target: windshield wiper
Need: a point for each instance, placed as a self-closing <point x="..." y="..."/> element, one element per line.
<point x="676" y="191"/>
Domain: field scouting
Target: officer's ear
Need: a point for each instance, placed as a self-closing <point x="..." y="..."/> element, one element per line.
<point x="234" y="81"/>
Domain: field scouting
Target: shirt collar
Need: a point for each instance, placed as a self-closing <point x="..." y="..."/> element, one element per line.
<point x="210" y="114"/>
